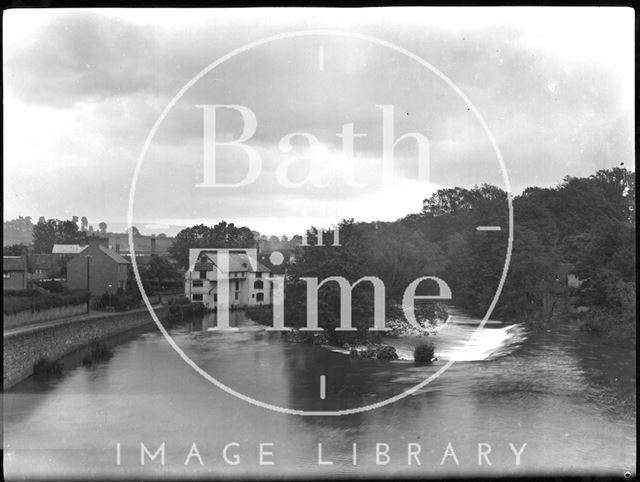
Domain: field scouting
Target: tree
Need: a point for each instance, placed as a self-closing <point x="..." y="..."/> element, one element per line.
<point x="159" y="271"/>
<point x="103" y="227"/>
<point x="84" y="223"/>
<point x="222" y="235"/>
<point x="14" y="250"/>
<point x="135" y="231"/>
<point x="44" y="236"/>
<point x="18" y="231"/>
<point x="54" y="231"/>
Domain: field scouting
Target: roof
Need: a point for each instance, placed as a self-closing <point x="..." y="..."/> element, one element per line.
<point x="239" y="260"/>
<point x="113" y="255"/>
<point x="12" y="263"/>
<point x="67" y="249"/>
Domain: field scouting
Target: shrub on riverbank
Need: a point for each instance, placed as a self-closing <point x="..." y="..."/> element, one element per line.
<point x="183" y="307"/>
<point x="98" y="351"/>
<point x="118" y="302"/>
<point x="380" y="352"/>
<point x="609" y="325"/>
<point x="15" y="301"/>
<point x="44" y="369"/>
<point x="423" y="353"/>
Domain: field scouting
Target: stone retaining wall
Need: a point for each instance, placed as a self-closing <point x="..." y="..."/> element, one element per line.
<point x="23" y="349"/>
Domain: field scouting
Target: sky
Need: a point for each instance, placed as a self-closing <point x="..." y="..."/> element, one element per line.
<point x="83" y="90"/>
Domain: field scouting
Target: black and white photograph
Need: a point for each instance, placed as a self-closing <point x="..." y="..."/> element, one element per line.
<point x="299" y="243"/>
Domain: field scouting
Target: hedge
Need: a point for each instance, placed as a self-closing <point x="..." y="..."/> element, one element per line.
<point x="16" y="301"/>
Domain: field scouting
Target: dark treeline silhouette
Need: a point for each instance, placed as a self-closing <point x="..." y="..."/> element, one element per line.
<point x="42" y="235"/>
<point x="586" y="223"/>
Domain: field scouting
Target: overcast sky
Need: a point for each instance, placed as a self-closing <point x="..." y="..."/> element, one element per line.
<point x="82" y="90"/>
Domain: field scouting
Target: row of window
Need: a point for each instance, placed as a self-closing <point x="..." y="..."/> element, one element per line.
<point x="257" y="285"/>
<point x="203" y="274"/>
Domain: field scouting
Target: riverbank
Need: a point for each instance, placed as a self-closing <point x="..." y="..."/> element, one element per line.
<point x="24" y="346"/>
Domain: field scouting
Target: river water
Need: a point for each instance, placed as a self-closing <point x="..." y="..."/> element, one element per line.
<point x="566" y="394"/>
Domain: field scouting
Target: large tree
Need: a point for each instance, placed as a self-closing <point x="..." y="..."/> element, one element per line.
<point x="55" y="231"/>
<point x="222" y="235"/>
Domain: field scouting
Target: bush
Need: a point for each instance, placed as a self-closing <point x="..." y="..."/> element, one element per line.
<point x="118" y="302"/>
<point x="51" y="285"/>
<point x="26" y="293"/>
<point x="45" y="369"/>
<point x="16" y="301"/>
<point x="609" y="325"/>
<point x="423" y="353"/>
<point x="187" y="308"/>
<point x="98" y="352"/>
<point x="386" y="353"/>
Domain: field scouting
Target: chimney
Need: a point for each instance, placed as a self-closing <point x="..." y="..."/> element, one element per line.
<point x="153" y="244"/>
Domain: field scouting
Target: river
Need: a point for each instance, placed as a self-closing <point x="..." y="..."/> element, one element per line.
<point x="566" y="394"/>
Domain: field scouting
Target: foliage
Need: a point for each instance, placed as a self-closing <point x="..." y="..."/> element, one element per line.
<point x="17" y="231"/>
<point x="118" y="301"/>
<point x="222" y="235"/>
<point x="50" y="285"/>
<point x="54" y="231"/>
<point x="386" y="352"/>
<point x="15" y="301"/>
<point x="14" y="250"/>
<point x="158" y="270"/>
<point x="44" y="369"/>
<point x="98" y="351"/>
<point x="423" y="352"/>
<point x="587" y="223"/>
<point x="187" y="308"/>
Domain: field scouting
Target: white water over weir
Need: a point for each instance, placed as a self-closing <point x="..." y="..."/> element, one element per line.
<point x="458" y="339"/>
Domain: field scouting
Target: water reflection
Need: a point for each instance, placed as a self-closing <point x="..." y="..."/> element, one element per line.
<point x="554" y="391"/>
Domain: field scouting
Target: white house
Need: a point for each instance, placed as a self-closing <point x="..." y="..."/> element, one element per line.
<point x="248" y="279"/>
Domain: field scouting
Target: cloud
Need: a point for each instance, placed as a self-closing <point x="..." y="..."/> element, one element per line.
<point x="82" y="58"/>
<point x="84" y="88"/>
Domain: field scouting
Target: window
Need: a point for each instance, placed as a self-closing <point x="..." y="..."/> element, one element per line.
<point x="258" y="285"/>
<point x="197" y="297"/>
<point x="203" y="275"/>
<point x="258" y="274"/>
<point x="236" y="297"/>
<point x="198" y="283"/>
<point x="237" y="285"/>
<point x="215" y="298"/>
<point x="6" y="275"/>
<point x="260" y="297"/>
